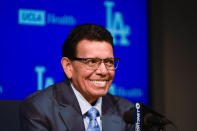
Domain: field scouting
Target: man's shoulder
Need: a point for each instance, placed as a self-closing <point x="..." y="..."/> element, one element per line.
<point x="117" y="100"/>
<point x="117" y="103"/>
<point x="40" y="97"/>
<point x="44" y="96"/>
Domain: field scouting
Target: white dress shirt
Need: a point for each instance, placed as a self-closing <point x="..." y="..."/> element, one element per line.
<point x="85" y="106"/>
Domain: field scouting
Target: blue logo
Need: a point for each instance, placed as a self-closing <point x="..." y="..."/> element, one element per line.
<point x="40" y="70"/>
<point x="31" y="17"/>
<point x="115" y="24"/>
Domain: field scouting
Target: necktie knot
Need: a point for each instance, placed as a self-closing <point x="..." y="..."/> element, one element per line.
<point x="93" y="113"/>
<point x="93" y="124"/>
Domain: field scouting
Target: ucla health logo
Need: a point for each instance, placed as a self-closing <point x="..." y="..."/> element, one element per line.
<point x="115" y="24"/>
<point x="32" y="17"/>
<point x="41" y="18"/>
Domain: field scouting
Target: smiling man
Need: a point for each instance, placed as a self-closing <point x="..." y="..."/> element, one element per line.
<point x="81" y="101"/>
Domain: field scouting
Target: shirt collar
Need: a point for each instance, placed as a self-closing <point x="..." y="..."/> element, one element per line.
<point x="84" y="104"/>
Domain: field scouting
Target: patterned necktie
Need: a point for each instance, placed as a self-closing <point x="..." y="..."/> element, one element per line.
<point x="93" y="124"/>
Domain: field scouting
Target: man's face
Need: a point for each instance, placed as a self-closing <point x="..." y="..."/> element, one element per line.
<point x="92" y="83"/>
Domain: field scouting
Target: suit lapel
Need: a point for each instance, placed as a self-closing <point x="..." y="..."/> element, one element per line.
<point x="69" y="106"/>
<point x="73" y="120"/>
<point x="110" y="121"/>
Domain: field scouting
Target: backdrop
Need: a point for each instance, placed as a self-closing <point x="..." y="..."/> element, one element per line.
<point x="32" y="33"/>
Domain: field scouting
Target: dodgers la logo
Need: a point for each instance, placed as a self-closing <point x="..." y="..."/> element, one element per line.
<point x="115" y="24"/>
<point x="40" y="70"/>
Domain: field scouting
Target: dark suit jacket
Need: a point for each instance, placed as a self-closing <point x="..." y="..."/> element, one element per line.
<point x="57" y="109"/>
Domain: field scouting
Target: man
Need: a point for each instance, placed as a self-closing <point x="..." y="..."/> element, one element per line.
<point x="80" y="102"/>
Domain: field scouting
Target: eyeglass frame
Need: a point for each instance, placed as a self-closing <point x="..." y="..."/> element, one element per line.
<point x="101" y="60"/>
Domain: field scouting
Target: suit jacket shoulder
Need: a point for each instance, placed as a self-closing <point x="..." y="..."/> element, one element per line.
<point x="52" y="109"/>
<point x="116" y="104"/>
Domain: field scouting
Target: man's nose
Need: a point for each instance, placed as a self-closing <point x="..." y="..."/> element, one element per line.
<point x="102" y="68"/>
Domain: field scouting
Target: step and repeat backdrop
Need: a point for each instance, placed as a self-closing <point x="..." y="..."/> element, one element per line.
<point x="32" y="33"/>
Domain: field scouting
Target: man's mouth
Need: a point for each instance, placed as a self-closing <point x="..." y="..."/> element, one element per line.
<point x="99" y="82"/>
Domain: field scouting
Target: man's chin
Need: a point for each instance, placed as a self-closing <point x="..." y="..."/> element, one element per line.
<point x="100" y="94"/>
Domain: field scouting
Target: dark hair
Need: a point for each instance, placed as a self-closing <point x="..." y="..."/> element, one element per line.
<point x="81" y="32"/>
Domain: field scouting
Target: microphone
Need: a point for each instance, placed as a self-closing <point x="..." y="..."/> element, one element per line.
<point x="128" y="116"/>
<point x="151" y="119"/>
<point x="144" y="117"/>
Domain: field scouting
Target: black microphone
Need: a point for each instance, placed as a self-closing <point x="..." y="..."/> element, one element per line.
<point x="152" y="117"/>
<point x="128" y="116"/>
<point x="144" y="117"/>
<point x="154" y="120"/>
<point x="149" y="118"/>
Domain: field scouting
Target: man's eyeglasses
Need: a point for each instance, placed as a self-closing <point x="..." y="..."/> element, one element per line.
<point x="94" y="63"/>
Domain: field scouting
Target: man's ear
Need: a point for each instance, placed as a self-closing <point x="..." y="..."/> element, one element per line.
<point x="67" y="67"/>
